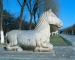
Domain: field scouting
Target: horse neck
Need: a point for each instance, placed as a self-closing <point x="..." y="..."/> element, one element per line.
<point x="42" y="26"/>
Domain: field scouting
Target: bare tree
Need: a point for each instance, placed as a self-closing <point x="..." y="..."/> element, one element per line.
<point x="37" y="7"/>
<point x="1" y="20"/>
<point x="33" y="9"/>
<point x="30" y="9"/>
<point x="21" y="13"/>
<point x="52" y="4"/>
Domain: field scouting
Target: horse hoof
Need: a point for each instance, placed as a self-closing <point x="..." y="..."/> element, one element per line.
<point x="19" y="49"/>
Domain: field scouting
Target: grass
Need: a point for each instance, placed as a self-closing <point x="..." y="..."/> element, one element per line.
<point x="58" y="41"/>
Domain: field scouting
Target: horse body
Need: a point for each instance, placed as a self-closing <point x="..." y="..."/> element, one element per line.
<point x="24" y="34"/>
<point x="37" y="39"/>
<point x="29" y="38"/>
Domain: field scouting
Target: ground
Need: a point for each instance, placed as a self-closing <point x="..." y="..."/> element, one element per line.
<point x="58" y="41"/>
<point x="58" y="53"/>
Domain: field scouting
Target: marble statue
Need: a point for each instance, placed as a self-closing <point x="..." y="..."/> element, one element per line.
<point x="54" y="33"/>
<point x="37" y="40"/>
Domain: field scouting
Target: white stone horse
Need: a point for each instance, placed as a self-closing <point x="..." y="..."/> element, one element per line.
<point x="54" y="33"/>
<point x="37" y="39"/>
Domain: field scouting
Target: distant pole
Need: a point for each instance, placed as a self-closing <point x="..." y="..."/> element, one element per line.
<point x="1" y="19"/>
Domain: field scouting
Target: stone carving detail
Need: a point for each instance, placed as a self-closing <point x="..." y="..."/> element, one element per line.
<point x="38" y="39"/>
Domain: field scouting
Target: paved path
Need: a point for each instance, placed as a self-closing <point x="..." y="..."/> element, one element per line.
<point x="59" y="53"/>
<point x="70" y="38"/>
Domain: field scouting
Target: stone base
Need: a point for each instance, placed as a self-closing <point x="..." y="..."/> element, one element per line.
<point x="59" y="53"/>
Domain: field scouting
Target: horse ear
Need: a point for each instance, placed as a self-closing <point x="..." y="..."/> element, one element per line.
<point x="50" y="10"/>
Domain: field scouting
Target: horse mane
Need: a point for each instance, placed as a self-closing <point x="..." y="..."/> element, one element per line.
<point x="41" y="19"/>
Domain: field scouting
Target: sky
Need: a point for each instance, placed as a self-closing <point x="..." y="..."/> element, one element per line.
<point x="66" y="10"/>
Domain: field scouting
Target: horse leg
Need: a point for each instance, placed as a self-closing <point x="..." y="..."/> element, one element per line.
<point x="13" y="48"/>
<point x="13" y="45"/>
<point x="55" y="33"/>
<point x="47" y="45"/>
<point x="17" y="48"/>
<point x="41" y="49"/>
<point x="45" y="48"/>
<point x="52" y="34"/>
<point x="9" y="46"/>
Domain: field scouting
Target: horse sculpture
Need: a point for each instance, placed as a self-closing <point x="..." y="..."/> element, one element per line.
<point x="38" y="39"/>
<point x="54" y="33"/>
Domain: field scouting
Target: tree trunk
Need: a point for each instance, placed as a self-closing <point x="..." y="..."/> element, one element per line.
<point x="30" y="24"/>
<point x="21" y="14"/>
<point x="35" y="18"/>
<point x="1" y="18"/>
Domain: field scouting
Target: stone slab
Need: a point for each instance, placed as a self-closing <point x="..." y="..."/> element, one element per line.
<point x="59" y="53"/>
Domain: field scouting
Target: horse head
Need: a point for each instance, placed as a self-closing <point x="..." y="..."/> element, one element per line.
<point x="53" y="19"/>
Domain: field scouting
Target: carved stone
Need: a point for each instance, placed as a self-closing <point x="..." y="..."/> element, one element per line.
<point x="38" y="39"/>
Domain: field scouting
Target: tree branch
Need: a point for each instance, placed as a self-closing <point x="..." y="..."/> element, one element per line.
<point x="28" y="7"/>
<point x="19" y="3"/>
